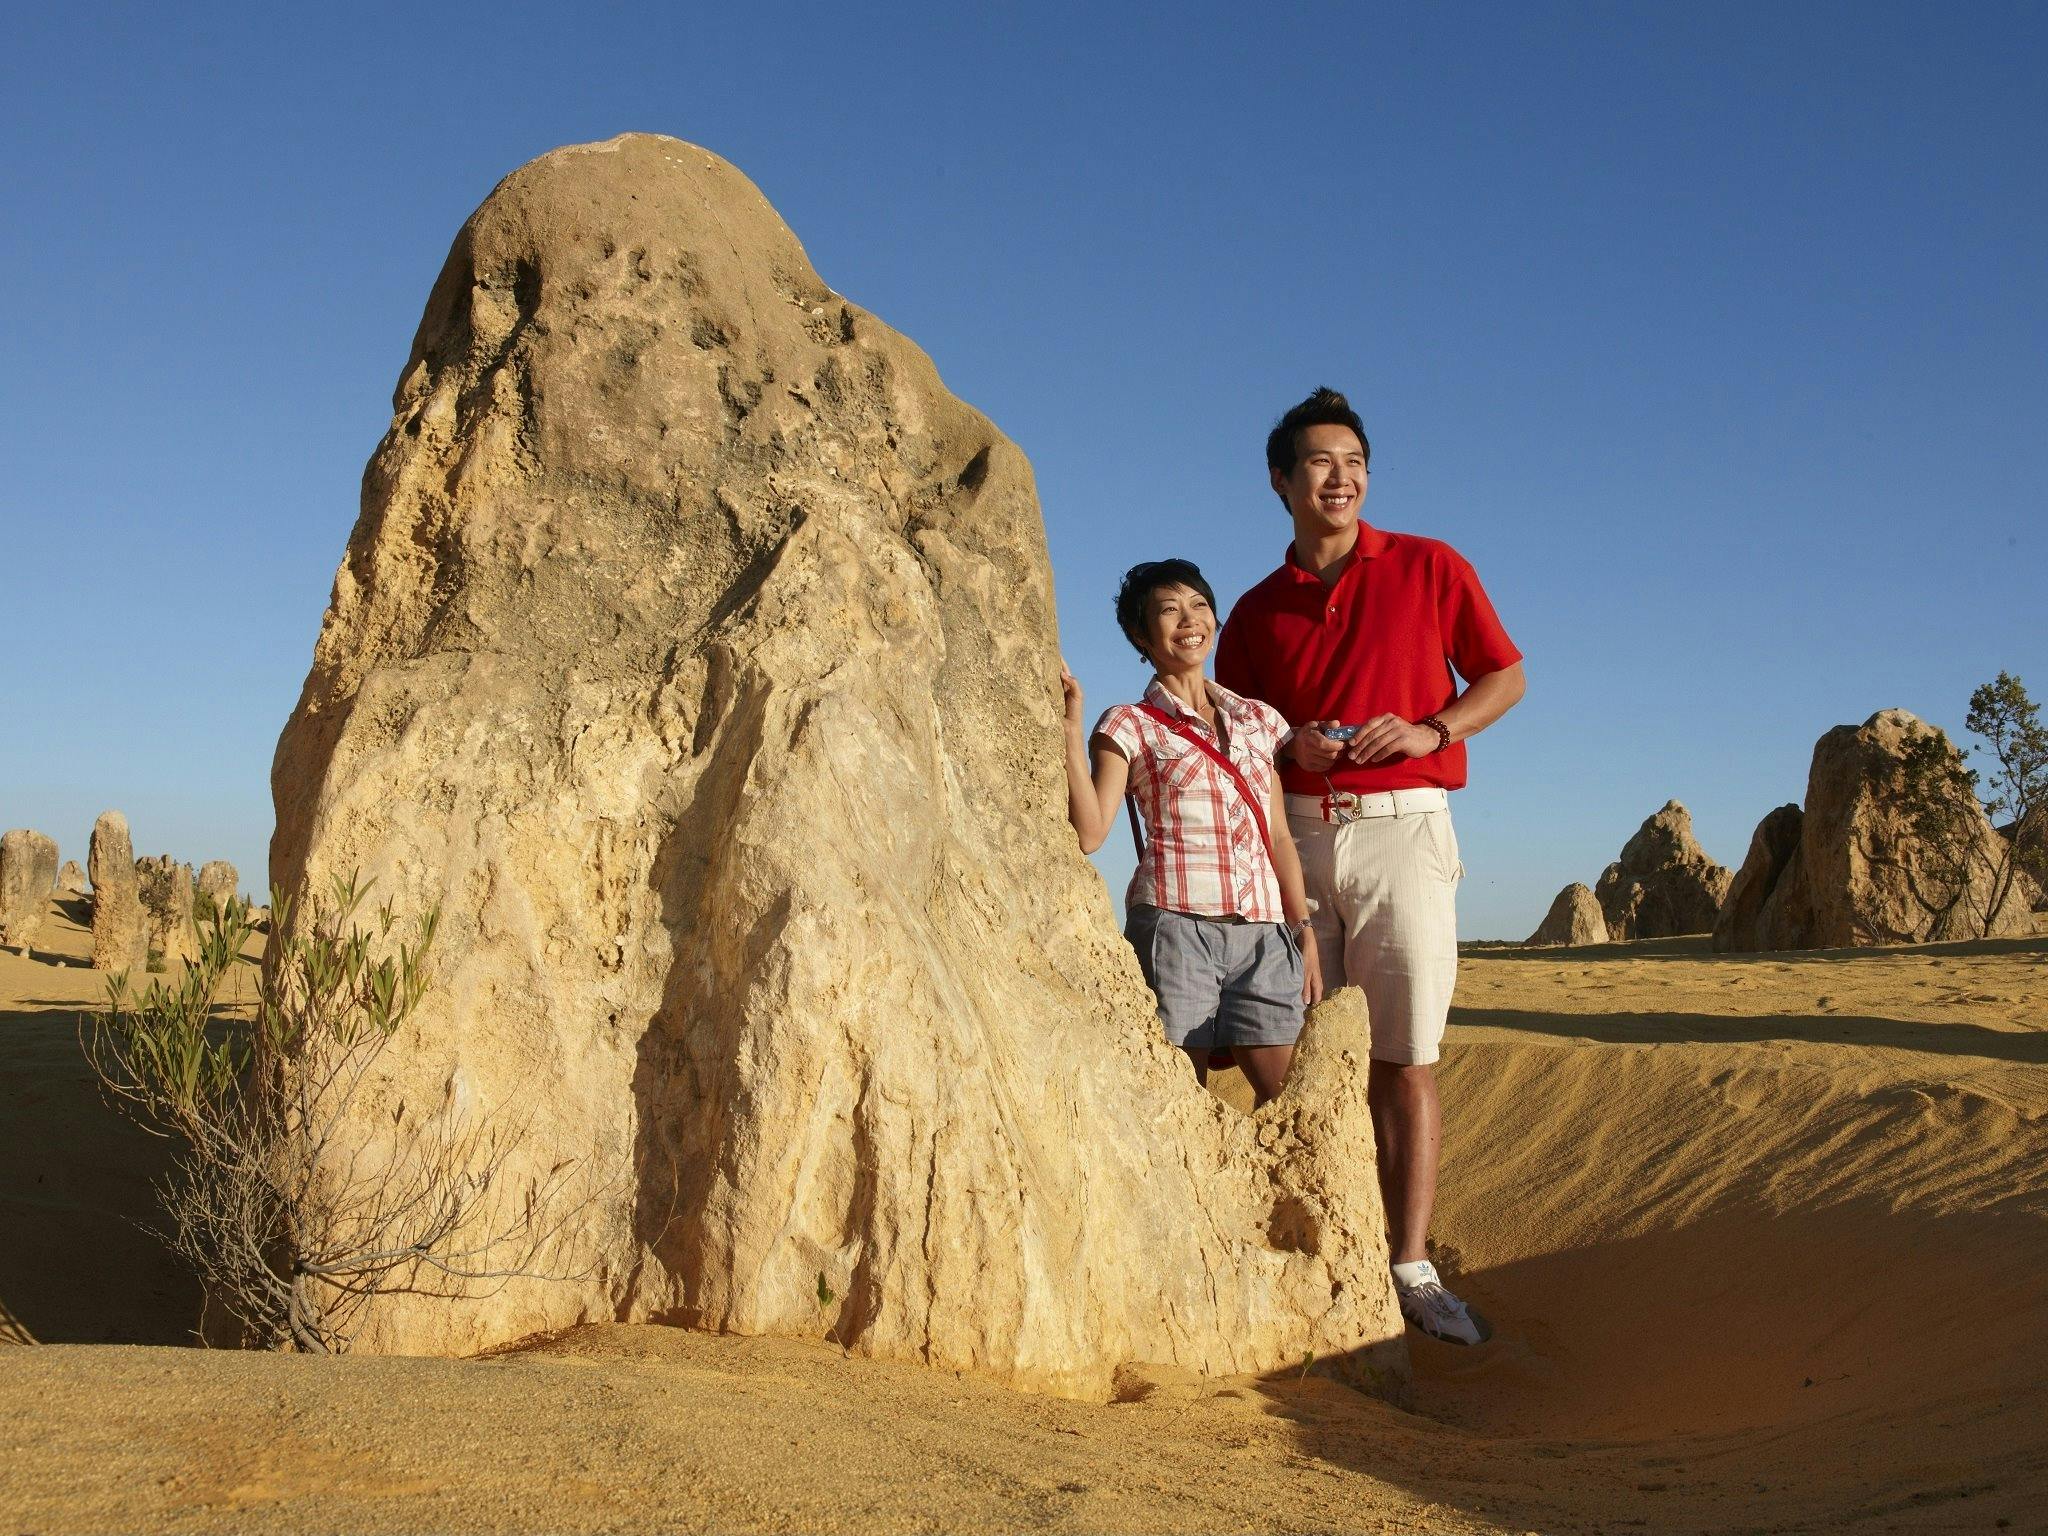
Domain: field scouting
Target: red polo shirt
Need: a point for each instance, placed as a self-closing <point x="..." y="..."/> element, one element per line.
<point x="1382" y="640"/>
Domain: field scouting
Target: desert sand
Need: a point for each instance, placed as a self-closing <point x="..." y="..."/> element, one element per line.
<point x="1763" y="1237"/>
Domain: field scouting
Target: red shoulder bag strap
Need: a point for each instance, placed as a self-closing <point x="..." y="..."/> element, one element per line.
<point x="1188" y="733"/>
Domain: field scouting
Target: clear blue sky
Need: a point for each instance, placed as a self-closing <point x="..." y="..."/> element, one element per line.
<point x="1716" y="336"/>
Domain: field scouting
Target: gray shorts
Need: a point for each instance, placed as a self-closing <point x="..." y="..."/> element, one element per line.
<point x="1219" y="983"/>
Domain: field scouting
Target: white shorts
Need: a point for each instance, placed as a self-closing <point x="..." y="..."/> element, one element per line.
<point x="1386" y="920"/>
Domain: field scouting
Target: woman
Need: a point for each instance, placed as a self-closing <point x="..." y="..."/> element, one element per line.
<point x="1216" y="909"/>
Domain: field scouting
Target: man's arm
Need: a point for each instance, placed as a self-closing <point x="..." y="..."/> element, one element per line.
<point x="1387" y="737"/>
<point x="1484" y="702"/>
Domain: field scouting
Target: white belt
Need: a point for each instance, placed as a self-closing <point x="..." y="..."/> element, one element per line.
<point x="1342" y="805"/>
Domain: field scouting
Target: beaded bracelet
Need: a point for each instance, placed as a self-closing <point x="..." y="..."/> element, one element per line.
<point x="1443" y="732"/>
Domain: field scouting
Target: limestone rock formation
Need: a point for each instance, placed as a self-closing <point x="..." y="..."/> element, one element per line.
<point x="695" y="654"/>
<point x="120" y="935"/>
<point x="218" y="881"/>
<point x="1772" y="848"/>
<point x="1850" y="869"/>
<point x="2032" y="858"/>
<point x="166" y="890"/>
<point x="1664" y="884"/>
<point x="28" y="871"/>
<point x="1574" y="918"/>
<point x="71" y="879"/>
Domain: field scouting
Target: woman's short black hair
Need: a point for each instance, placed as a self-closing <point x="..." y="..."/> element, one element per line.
<point x="1324" y="408"/>
<point x="1141" y="581"/>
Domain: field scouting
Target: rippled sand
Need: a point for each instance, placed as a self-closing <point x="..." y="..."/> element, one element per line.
<point x="1765" y="1240"/>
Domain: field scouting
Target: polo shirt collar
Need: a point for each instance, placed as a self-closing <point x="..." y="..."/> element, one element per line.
<point x="1372" y="543"/>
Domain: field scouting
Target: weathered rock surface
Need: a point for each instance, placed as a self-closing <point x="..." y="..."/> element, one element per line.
<point x="218" y="881"/>
<point x="28" y="872"/>
<point x="1574" y="918"/>
<point x="71" y="879"/>
<point x="1664" y="884"/>
<point x="166" y="890"/>
<point x="1850" y="869"/>
<point x="2033" y="858"/>
<point x="695" y="653"/>
<point x="1772" y="848"/>
<point x="120" y="933"/>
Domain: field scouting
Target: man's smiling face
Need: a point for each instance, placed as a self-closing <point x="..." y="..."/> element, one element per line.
<point x="1327" y="484"/>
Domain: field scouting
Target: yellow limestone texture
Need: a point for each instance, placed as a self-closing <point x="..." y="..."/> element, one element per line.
<point x="695" y="652"/>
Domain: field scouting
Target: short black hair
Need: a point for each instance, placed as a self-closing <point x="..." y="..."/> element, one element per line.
<point x="1142" y="580"/>
<point x="1324" y="408"/>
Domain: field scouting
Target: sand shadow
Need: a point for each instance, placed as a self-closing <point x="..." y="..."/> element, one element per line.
<point x="1653" y="1382"/>
<point x="52" y="957"/>
<point x="2026" y="1047"/>
<point x="1699" y="946"/>
<point x="76" y="1195"/>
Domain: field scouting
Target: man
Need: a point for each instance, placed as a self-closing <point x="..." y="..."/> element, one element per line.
<point x="1353" y="640"/>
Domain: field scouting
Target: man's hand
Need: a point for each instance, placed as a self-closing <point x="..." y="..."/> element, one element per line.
<point x="1384" y="738"/>
<point x="1312" y="750"/>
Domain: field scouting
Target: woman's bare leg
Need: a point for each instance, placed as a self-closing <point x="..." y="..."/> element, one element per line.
<point x="1201" y="1060"/>
<point x="1265" y="1068"/>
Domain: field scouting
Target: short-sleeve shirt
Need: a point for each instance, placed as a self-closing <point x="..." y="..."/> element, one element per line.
<point x="1203" y="852"/>
<point x="1383" y="639"/>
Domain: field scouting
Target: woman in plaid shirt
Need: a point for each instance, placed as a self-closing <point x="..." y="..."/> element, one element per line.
<point x="1216" y="908"/>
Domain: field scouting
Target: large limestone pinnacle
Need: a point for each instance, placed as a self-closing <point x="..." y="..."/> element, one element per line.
<point x="695" y="652"/>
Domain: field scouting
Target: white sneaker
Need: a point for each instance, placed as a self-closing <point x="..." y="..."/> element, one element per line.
<point x="1429" y="1306"/>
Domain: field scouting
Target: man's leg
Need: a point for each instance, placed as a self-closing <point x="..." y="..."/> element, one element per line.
<point x="1409" y="1129"/>
<point x="1386" y="922"/>
<point x="1402" y="948"/>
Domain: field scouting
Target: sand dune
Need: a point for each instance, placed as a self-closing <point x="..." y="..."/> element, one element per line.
<point x="1763" y="1237"/>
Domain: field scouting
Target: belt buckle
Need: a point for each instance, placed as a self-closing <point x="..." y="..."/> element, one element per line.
<point x="1340" y="806"/>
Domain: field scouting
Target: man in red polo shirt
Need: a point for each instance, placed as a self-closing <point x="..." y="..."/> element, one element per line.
<point x="1354" y="640"/>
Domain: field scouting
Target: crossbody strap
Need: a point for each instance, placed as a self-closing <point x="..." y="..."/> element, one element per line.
<point x="1188" y="733"/>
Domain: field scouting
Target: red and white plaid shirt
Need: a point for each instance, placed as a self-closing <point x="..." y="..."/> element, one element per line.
<point x="1203" y="852"/>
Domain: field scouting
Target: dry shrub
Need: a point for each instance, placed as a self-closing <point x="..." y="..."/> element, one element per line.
<point x="295" y="1216"/>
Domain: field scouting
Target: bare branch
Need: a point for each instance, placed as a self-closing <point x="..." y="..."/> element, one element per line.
<point x="295" y="1215"/>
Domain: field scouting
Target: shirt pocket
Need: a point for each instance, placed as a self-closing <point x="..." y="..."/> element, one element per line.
<point x="1175" y="763"/>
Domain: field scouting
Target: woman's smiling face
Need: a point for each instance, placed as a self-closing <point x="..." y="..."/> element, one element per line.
<point x="1180" y="627"/>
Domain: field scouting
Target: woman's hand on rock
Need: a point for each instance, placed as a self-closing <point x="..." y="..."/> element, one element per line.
<point x="1070" y="688"/>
